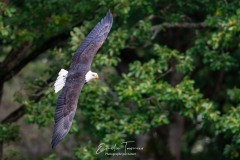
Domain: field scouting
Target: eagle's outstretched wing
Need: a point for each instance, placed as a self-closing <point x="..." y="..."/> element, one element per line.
<point x="81" y="62"/>
<point x="90" y="45"/>
<point x="65" y="110"/>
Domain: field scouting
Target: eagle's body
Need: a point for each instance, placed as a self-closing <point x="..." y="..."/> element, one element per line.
<point x="71" y="82"/>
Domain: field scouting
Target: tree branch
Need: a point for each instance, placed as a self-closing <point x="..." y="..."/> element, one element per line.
<point x="14" y="116"/>
<point x="156" y="29"/>
<point x="15" y="56"/>
<point x="50" y="43"/>
<point x="18" y="113"/>
<point x="179" y="25"/>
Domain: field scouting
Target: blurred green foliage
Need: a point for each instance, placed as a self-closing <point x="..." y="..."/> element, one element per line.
<point x="9" y="132"/>
<point x="123" y="106"/>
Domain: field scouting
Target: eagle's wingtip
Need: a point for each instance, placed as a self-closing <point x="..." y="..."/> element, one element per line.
<point x="53" y="144"/>
<point x="109" y="17"/>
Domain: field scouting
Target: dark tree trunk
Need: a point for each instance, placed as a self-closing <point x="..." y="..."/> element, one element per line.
<point x="1" y="143"/>
<point x="176" y="129"/>
<point x="1" y="91"/>
<point x="1" y="150"/>
<point x="183" y="41"/>
<point x="175" y="134"/>
<point x="177" y="125"/>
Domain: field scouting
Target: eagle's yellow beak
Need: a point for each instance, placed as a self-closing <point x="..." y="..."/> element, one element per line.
<point x="97" y="76"/>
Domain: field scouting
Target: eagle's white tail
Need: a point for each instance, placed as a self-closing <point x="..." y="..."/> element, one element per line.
<point x="61" y="79"/>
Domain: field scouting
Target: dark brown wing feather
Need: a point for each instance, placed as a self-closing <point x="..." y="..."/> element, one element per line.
<point x="90" y="45"/>
<point x="66" y="107"/>
<point x="81" y="62"/>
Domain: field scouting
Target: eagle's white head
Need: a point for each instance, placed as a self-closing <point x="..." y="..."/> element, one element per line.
<point x="90" y="75"/>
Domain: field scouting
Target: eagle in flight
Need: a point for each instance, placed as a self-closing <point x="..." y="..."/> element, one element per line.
<point x="71" y="82"/>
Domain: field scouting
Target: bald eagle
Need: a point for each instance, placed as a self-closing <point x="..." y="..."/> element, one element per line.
<point x="71" y="82"/>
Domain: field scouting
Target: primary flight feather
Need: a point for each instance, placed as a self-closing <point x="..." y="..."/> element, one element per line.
<point x="72" y="81"/>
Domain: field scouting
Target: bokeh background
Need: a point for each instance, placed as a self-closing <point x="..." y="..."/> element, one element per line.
<point x="169" y="78"/>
